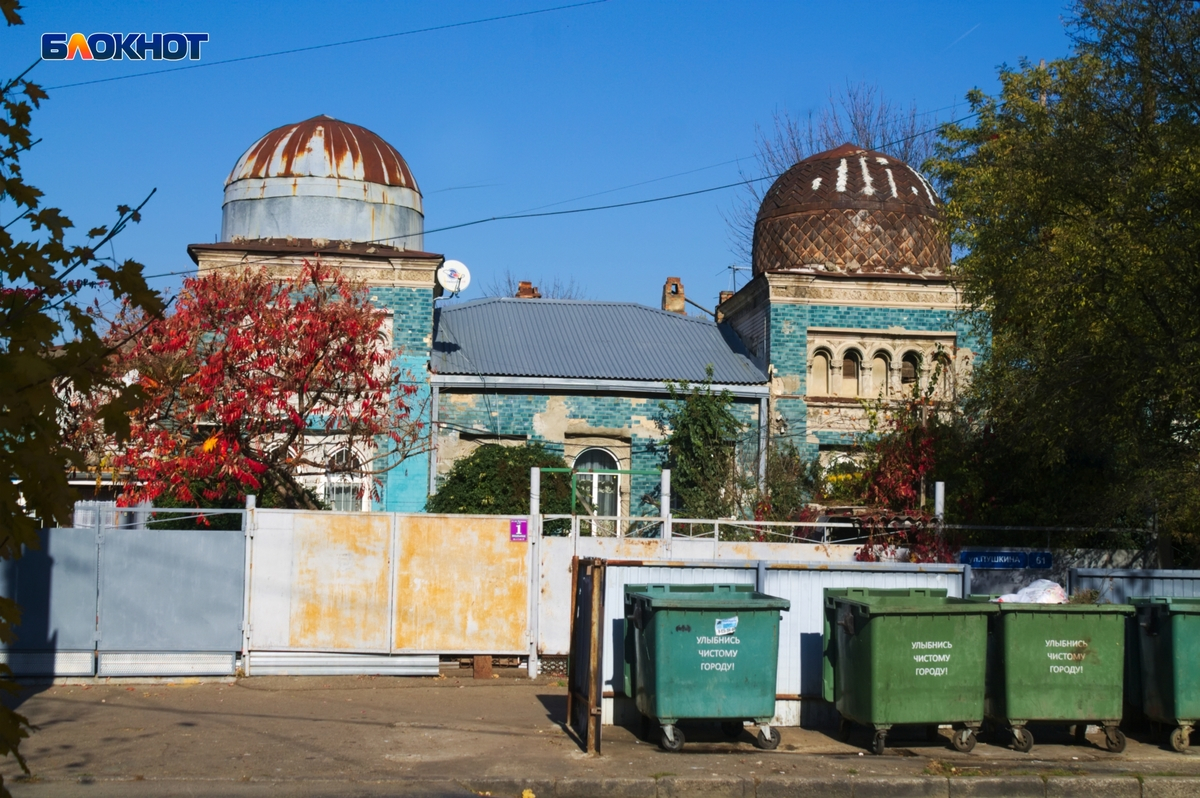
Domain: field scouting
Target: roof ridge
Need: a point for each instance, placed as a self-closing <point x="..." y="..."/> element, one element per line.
<point x="578" y="302"/>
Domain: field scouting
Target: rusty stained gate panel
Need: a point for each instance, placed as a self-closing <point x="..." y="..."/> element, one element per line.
<point x="585" y="664"/>
<point x="462" y="586"/>
<point x="340" y="600"/>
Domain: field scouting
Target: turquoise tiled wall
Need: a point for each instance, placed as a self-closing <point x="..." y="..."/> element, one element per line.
<point x="789" y="325"/>
<point x="505" y="413"/>
<point x="405" y="486"/>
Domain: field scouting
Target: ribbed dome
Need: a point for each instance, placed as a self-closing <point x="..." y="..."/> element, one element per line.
<point x="324" y="147"/>
<point x="850" y="210"/>
<point x="323" y="178"/>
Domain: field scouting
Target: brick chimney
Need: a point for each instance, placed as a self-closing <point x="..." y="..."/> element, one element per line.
<point x="725" y="296"/>
<point x="526" y="290"/>
<point x="672" y="300"/>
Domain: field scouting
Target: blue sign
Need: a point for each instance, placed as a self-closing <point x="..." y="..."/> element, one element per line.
<point x="1005" y="560"/>
<point x="1040" y="559"/>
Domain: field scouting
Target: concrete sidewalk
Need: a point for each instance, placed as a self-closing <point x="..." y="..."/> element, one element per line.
<point x="454" y="736"/>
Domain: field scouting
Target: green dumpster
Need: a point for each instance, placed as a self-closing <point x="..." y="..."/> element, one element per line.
<point x="1168" y="635"/>
<point x="913" y="656"/>
<point x="703" y="652"/>
<point x="1058" y="662"/>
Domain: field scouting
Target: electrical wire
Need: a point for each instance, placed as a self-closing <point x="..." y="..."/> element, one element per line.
<point x="328" y="45"/>
<point x="546" y="214"/>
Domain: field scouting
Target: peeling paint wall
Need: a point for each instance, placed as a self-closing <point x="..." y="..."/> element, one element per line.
<point x="461" y="586"/>
<point x="406" y="486"/>
<point x="566" y="424"/>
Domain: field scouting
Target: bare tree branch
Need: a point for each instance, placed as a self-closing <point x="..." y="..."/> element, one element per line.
<point x="506" y="285"/>
<point x="859" y="114"/>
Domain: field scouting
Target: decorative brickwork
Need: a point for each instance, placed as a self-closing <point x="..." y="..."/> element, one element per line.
<point x="854" y="211"/>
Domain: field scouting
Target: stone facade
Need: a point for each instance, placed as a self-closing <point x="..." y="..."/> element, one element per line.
<point x="790" y="321"/>
<point x="627" y="426"/>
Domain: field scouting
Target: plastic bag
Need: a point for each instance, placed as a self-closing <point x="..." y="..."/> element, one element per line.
<point x="1043" y="591"/>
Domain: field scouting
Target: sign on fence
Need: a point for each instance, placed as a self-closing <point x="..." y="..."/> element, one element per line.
<point x="518" y="530"/>
<point x="1006" y="560"/>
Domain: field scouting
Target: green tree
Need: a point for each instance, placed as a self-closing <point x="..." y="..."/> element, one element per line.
<point x="50" y="346"/>
<point x="789" y="484"/>
<point x="702" y="435"/>
<point x="494" y="480"/>
<point x="1074" y="197"/>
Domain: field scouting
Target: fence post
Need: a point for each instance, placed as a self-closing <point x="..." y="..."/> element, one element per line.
<point x="99" y="525"/>
<point x="249" y="525"/>
<point x="535" y="565"/>
<point x="666" y="504"/>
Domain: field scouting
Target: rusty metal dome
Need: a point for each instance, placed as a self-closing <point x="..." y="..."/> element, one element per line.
<point x="324" y="147"/>
<point x="851" y="211"/>
<point x="323" y="178"/>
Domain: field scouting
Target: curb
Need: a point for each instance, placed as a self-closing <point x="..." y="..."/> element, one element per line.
<point x="665" y="787"/>
<point x="848" y="787"/>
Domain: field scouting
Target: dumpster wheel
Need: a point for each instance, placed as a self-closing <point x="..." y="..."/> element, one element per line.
<point x="767" y="739"/>
<point x="964" y="740"/>
<point x="880" y="742"/>
<point x="1114" y="739"/>
<point x="1022" y="740"/>
<point x="671" y="739"/>
<point x="1181" y="738"/>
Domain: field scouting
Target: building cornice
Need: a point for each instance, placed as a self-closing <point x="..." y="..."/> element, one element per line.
<point x="569" y="385"/>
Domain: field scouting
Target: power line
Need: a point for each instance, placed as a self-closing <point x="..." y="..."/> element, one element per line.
<point x="567" y="212"/>
<point x="328" y="45"/>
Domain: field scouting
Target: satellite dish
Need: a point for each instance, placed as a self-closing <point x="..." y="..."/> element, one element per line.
<point x="454" y="276"/>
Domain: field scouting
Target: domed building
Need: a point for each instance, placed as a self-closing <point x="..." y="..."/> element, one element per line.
<point x="323" y="178"/>
<point x="328" y="189"/>
<point x="850" y="299"/>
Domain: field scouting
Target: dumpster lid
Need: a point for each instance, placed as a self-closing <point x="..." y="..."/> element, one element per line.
<point x="1085" y="609"/>
<point x="1182" y="604"/>
<point x="914" y="605"/>
<point x="718" y="597"/>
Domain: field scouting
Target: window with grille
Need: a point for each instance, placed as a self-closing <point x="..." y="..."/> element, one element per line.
<point x="344" y="482"/>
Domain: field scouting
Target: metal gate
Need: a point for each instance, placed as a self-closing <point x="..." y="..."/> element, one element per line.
<point x="115" y="600"/>
<point x="170" y="601"/>
<point x="55" y="586"/>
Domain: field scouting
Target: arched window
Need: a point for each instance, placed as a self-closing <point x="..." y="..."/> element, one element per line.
<point x="343" y="482"/>
<point x="851" y="367"/>
<point x="910" y="370"/>
<point x="597" y="494"/>
<point x="880" y="375"/>
<point x="818" y="380"/>
<point x="945" y="377"/>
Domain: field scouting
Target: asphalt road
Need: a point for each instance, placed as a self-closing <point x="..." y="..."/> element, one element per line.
<point x="453" y="736"/>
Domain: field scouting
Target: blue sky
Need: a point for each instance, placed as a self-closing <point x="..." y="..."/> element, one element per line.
<point x="498" y="117"/>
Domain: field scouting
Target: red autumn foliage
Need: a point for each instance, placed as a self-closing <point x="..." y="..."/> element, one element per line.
<point x="903" y="454"/>
<point x="247" y="381"/>
<point x="888" y="534"/>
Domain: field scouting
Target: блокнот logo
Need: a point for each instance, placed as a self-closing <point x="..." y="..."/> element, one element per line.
<point x="119" y="46"/>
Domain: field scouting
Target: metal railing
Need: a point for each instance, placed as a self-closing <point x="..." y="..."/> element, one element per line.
<point x="622" y="526"/>
<point x="108" y="514"/>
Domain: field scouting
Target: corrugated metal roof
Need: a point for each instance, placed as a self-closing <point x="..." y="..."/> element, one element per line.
<point x="579" y="339"/>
